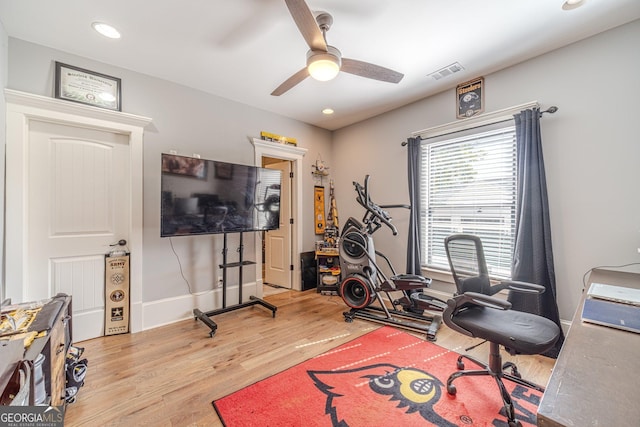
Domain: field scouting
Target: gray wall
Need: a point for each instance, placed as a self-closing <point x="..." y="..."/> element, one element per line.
<point x="187" y="121"/>
<point x="591" y="150"/>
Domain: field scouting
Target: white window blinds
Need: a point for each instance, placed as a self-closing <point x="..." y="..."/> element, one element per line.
<point x="469" y="186"/>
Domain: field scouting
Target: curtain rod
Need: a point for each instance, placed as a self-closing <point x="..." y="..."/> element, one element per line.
<point x="478" y="121"/>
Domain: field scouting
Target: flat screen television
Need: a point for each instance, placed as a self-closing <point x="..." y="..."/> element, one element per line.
<point x="202" y="196"/>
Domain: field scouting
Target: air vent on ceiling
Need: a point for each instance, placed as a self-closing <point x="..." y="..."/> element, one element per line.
<point x="446" y="71"/>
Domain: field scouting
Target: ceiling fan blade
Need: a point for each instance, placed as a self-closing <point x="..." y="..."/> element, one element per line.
<point x="291" y="82"/>
<point x="370" y="71"/>
<point x="307" y="24"/>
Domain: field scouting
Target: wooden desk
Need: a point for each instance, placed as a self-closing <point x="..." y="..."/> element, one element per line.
<point x="595" y="379"/>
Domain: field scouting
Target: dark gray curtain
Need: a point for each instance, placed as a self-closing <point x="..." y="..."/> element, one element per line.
<point x="413" y="244"/>
<point x="533" y="255"/>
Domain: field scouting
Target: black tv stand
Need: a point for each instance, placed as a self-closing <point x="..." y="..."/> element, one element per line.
<point x="205" y="317"/>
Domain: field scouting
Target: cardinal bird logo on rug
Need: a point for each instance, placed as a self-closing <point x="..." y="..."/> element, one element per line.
<point x="379" y="392"/>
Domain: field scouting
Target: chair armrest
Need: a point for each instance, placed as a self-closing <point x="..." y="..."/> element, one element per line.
<point x="525" y="287"/>
<point x="483" y="300"/>
<point x="468" y="300"/>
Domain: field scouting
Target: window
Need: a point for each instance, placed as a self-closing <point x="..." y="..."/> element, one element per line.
<point x="469" y="186"/>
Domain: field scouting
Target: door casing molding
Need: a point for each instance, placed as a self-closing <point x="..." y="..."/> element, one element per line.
<point x="295" y="155"/>
<point x="22" y="108"/>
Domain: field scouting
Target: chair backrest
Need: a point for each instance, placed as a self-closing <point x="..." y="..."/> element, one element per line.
<point x="468" y="264"/>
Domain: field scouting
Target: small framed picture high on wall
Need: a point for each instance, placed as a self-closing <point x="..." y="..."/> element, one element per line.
<point x="87" y="87"/>
<point x="470" y="98"/>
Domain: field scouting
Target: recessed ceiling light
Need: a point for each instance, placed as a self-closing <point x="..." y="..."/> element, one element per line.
<point x="327" y="111"/>
<point x="572" y="4"/>
<point x="106" y="30"/>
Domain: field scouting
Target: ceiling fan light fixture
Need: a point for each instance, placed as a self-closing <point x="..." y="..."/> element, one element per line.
<point x="323" y="69"/>
<point x="324" y="66"/>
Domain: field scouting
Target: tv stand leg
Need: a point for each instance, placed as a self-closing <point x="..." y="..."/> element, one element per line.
<point x="205" y="317"/>
<point x="265" y="304"/>
<point x="206" y="320"/>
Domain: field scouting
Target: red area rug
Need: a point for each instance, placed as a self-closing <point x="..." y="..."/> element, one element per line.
<point x="384" y="378"/>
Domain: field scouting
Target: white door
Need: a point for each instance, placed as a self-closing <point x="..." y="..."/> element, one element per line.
<point x="277" y="259"/>
<point x="78" y="200"/>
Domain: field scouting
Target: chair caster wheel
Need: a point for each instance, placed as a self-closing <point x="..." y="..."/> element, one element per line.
<point x="515" y="423"/>
<point x="451" y="389"/>
<point x="460" y="365"/>
<point x="514" y="369"/>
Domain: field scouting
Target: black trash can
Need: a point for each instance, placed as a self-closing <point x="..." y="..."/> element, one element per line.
<point x="309" y="270"/>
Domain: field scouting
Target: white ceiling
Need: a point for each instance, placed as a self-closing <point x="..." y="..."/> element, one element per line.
<point x="243" y="49"/>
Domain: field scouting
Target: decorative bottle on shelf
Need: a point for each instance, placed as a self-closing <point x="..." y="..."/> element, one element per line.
<point x="331" y="231"/>
<point x="333" y="210"/>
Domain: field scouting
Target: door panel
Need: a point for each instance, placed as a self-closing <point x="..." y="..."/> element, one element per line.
<point x="278" y="242"/>
<point x="80" y="171"/>
<point x="83" y="278"/>
<point x="78" y="185"/>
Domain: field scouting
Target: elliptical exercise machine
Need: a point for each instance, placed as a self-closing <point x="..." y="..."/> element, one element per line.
<point x="364" y="282"/>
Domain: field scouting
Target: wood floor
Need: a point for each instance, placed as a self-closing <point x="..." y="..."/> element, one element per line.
<point x="168" y="376"/>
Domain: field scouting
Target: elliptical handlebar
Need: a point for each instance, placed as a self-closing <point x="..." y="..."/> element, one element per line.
<point x="375" y="211"/>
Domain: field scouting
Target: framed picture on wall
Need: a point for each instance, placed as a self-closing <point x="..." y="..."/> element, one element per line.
<point x="87" y="87"/>
<point x="224" y="170"/>
<point x="318" y="209"/>
<point x="470" y="98"/>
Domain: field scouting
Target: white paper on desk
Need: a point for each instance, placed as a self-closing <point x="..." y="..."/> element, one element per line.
<point x="619" y="294"/>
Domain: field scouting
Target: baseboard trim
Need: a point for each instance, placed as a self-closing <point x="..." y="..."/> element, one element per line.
<point x="170" y="310"/>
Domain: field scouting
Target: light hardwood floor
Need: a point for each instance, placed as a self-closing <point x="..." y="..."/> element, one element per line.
<point x="168" y="376"/>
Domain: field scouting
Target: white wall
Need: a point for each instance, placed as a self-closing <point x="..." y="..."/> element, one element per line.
<point x="188" y="121"/>
<point x="591" y="150"/>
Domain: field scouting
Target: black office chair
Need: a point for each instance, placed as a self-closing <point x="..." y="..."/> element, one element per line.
<point x="475" y="312"/>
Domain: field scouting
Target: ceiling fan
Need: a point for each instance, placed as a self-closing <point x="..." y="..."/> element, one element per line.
<point x="325" y="61"/>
